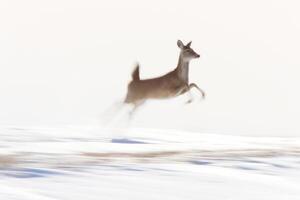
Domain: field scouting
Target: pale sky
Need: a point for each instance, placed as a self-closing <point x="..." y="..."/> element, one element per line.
<point x="64" y="61"/>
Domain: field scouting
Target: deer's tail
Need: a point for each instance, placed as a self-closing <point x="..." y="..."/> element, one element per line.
<point x="136" y="73"/>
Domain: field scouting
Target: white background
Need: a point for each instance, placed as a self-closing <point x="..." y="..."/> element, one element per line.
<point x="65" y="62"/>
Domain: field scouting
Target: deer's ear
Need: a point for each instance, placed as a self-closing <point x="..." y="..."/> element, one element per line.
<point x="189" y="44"/>
<point x="180" y="44"/>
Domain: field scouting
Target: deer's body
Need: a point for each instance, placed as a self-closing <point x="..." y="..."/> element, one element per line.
<point x="166" y="86"/>
<point x="169" y="85"/>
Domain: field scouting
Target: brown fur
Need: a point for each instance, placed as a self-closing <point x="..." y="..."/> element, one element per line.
<point x="169" y="85"/>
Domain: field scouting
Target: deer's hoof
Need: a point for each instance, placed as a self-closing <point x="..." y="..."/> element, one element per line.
<point x="189" y="101"/>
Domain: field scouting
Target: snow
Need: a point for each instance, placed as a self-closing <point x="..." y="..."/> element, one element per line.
<point x="65" y="62"/>
<point x="91" y="162"/>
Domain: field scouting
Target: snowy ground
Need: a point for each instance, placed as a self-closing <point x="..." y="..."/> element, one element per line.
<point x="88" y="163"/>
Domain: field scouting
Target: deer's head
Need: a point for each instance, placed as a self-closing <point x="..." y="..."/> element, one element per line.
<point x="187" y="53"/>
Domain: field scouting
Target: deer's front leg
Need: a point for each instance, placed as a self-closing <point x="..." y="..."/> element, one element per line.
<point x="199" y="89"/>
<point x="190" y="96"/>
<point x="189" y="87"/>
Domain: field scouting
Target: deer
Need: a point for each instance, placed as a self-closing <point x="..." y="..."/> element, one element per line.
<point x="167" y="86"/>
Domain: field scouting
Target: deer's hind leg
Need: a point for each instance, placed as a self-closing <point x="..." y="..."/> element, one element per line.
<point x="136" y="105"/>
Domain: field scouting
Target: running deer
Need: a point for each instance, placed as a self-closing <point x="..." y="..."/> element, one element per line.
<point x="170" y="85"/>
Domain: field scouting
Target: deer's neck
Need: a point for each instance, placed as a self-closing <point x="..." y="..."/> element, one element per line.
<point x="183" y="69"/>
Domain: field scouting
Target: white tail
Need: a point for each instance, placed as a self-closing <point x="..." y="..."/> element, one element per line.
<point x="170" y="85"/>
